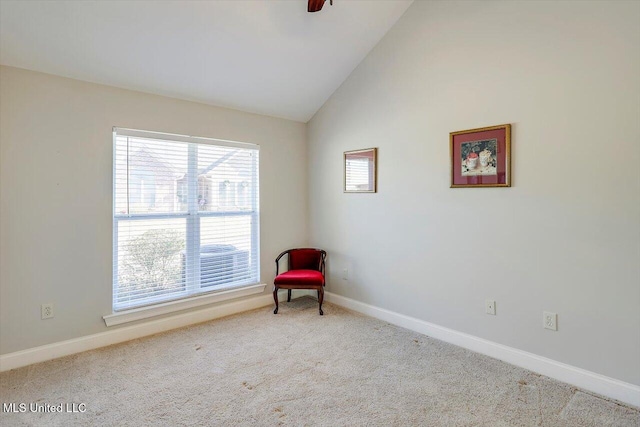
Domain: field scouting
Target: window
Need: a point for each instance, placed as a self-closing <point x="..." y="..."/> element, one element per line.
<point x="186" y="218"/>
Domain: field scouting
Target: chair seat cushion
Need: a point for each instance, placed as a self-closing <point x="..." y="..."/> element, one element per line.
<point x="300" y="277"/>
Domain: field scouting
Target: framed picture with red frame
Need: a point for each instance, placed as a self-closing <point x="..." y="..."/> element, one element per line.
<point x="481" y="157"/>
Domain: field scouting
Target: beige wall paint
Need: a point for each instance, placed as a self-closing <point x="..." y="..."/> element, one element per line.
<point x="56" y="194"/>
<point x="565" y="238"/>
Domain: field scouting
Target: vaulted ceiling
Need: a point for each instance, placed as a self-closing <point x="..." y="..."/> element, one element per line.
<point x="264" y="56"/>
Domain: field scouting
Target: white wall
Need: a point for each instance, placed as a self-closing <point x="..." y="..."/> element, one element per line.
<point x="565" y="238"/>
<point x="56" y="194"/>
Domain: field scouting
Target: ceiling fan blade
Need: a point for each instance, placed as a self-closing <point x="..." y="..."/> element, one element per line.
<point x="315" y="5"/>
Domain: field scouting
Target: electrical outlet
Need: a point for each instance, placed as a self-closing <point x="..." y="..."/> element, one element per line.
<point x="550" y="320"/>
<point x="46" y="310"/>
<point x="490" y="306"/>
<point x="345" y="274"/>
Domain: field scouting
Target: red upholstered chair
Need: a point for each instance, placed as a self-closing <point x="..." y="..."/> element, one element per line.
<point x="306" y="271"/>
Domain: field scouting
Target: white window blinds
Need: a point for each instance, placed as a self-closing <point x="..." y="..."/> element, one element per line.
<point x="186" y="217"/>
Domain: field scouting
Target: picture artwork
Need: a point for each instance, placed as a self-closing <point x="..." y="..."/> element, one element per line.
<point x="479" y="157"/>
<point x="360" y="174"/>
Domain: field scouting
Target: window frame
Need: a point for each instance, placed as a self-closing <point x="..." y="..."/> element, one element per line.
<point x="192" y="216"/>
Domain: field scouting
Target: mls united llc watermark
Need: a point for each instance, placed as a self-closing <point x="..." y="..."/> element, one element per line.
<point x="44" y="407"/>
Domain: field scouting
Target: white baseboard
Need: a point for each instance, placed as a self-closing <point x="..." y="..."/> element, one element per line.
<point x="64" y="348"/>
<point x="587" y="380"/>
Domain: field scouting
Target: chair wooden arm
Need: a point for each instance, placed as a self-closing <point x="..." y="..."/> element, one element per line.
<point x="278" y="259"/>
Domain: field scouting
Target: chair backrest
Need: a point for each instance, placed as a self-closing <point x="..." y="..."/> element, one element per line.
<point x="305" y="259"/>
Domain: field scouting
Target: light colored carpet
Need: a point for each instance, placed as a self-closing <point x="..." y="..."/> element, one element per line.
<point x="297" y="368"/>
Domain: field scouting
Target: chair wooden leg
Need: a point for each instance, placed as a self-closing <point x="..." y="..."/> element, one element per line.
<point x="320" y="299"/>
<point x="289" y="295"/>
<point x="275" y="298"/>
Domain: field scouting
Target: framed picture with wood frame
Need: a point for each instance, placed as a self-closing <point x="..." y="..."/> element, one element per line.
<point x="481" y="157"/>
<point x="360" y="171"/>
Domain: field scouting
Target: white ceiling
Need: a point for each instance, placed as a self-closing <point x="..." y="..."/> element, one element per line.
<point x="264" y="56"/>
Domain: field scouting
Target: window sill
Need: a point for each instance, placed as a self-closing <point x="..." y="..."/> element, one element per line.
<point x="183" y="304"/>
